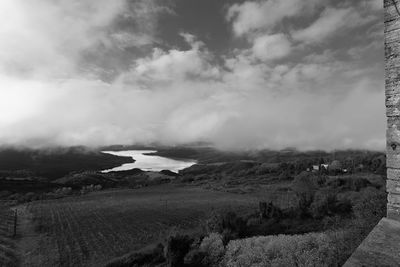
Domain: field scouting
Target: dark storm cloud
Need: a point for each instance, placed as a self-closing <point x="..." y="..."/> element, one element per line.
<point x="245" y="74"/>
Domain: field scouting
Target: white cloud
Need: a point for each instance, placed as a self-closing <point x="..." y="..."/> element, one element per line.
<point x="331" y="21"/>
<point x="269" y="47"/>
<point x="172" y="66"/>
<point x="264" y="15"/>
<point x="47" y="35"/>
<point x="125" y="40"/>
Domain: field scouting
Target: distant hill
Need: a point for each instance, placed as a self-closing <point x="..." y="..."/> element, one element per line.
<point x="80" y="179"/>
<point x="211" y="155"/>
<point x="55" y="163"/>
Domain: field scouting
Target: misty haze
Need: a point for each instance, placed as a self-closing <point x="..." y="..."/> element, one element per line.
<point x="227" y="133"/>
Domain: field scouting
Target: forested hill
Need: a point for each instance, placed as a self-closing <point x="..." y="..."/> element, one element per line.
<point x="55" y="162"/>
<point x="374" y="161"/>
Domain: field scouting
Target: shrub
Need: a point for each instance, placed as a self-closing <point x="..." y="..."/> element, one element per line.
<point x="98" y="187"/>
<point x="349" y="183"/>
<point x="371" y="206"/>
<point x="282" y="250"/>
<point x="196" y="258"/>
<point x="304" y="187"/>
<point x="213" y="222"/>
<point x="63" y="191"/>
<point x="214" y="249"/>
<point x="176" y="249"/>
<point x="356" y="184"/>
<point x="343" y="207"/>
<point x="253" y="221"/>
<point x="323" y="204"/>
<point x="228" y="224"/>
<point x="285" y="175"/>
<point x="187" y="178"/>
<point x="271" y="210"/>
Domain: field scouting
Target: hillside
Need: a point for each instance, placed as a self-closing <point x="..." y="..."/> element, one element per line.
<point x="54" y="163"/>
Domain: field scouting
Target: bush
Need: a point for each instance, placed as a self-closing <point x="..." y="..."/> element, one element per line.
<point x="285" y="175"/>
<point x="356" y="184"/>
<point x="213" y="222"/>
<point x="196" y="258"/>
<point x="371" y="206"/>
<point x="304" y="187"/>
<point x="323" y="204"/>
<point x="281" y="250"/>
<point x="228" y="224"/>
<point x="89" y="188"/>
<point x="269" y="210"/>
<point x="65" y="191"/>
<point x="349" y="183"/>
<point x="28" y="197"/>
<point x="187" y="178"/>
<point x="214" y="249"/>
<point x="253" y="221"/>
<point x="176" y="249"/>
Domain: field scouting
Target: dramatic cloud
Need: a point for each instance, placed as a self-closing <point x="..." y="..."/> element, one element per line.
<point x="295" y="73"/>
<point x="46" y="37"/>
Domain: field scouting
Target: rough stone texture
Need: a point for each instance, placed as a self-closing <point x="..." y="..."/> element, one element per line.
<point x="380" y="248"/>
<point x="392" y="104"/>
<point x="392" y="91"/>
<point x="393" y="198"/>
<point x="393" y="212"/>
<point x="393" y="186"/>
<point x="393" y="174"/>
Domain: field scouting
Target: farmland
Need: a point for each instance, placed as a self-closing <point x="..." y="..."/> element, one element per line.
<point x="77" y="227"/>
<point x="92" y="229"/>
<point x="7" y="244"/>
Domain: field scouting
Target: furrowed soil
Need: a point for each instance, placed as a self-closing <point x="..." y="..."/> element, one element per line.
<point x="92" y="229"/>
<point x="8" y="255"/>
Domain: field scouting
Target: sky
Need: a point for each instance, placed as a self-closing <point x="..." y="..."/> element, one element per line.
<point x="255" y="74"/>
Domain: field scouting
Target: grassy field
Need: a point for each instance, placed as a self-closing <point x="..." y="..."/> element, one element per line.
<point x="7" y="243"/>
<point x="90" y="230"/>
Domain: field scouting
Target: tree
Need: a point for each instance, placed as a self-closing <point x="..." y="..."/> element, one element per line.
<point x="304" y="186"/>
<point x="335" y="167"/>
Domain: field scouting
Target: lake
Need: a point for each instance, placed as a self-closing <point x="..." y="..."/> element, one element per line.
<point x="148" y="162"/>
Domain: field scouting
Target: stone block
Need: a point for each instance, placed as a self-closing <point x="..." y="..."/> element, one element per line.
<point x="393" y="212"/>
<point x="393" y="199"/>
<point x="393" y="186"/>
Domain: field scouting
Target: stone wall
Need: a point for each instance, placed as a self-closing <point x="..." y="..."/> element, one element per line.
<point x="382" y="245"/>
<point x="392" y="91"/>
